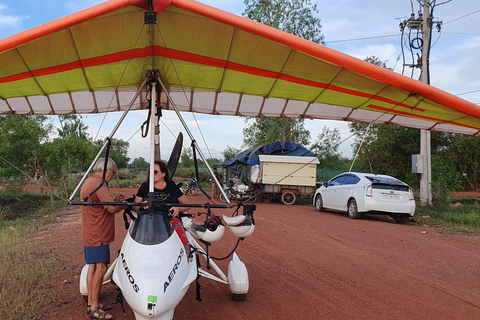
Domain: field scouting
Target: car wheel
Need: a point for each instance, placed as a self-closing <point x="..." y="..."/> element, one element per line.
<point x="288" y="197"/>
<point x="353" y="210"/>
<point x="401" y="218"/>
<point x="319" y="203"/>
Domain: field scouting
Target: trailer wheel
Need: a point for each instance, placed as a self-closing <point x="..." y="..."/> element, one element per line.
<point x="288" y="197"/>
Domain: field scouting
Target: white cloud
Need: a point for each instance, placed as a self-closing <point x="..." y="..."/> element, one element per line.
<point x="10" y="21"/>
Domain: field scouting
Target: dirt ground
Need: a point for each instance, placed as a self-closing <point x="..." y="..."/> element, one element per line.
<point x="305" y="264"/>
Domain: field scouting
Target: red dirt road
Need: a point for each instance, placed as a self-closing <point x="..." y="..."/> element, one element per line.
<point x="305" y="264"/>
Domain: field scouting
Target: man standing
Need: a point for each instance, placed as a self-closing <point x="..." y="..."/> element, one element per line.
<point x="98" y="228"/>
<point x="215" y="190"/>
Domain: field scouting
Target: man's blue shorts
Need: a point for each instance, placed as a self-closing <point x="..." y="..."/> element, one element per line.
<point x="97" y="254"/>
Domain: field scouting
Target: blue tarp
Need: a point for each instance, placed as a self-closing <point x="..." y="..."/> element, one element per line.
<point x="250" y="156"/>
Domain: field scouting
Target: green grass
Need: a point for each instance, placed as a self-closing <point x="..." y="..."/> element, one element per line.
<point x="26" y="266"/>
<point x="461" y="215"/>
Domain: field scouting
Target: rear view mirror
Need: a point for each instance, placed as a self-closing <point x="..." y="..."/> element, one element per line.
<point x="325" y="184"/>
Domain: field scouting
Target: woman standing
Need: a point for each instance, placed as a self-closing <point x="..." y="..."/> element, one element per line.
<point x="165" y="190"/>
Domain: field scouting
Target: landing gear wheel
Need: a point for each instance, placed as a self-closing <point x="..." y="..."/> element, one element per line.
<point x="319" y="203"/>
<point x="239" y="296"/>
<point x="288" y="197"/>
<point x="401" y="218"/>
<point x="193" y="191"/>
<point x="353" y="210"/>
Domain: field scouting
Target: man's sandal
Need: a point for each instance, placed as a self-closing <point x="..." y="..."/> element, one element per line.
<point x="105" y="307"/>
<point x="99" y="314"/>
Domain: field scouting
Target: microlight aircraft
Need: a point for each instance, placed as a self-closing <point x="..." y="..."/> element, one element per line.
<point x="182" y="55"/>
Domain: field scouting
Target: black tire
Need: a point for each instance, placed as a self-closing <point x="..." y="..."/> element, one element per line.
<point x="319" y="203"/>
<point x="353" y="210"/>
<point x="288" y="198"/>
<point x="193" y="191"/>
<point x="239" y="296"/>
<point x="401" y="218"/>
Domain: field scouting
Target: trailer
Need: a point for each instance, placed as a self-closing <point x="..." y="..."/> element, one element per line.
<point x="279" y="169"/>
<point x="285" y="176"/>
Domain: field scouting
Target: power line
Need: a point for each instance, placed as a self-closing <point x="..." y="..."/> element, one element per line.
<point x="463" y="33"/>
<point x="396" y="35"/>
<point x="461" y="94"/>
<point x="366" y="38"/>
<point x="462" y="17"/>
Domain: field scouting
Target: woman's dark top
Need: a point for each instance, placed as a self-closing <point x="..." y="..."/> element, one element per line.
<point x="169" y="194"/>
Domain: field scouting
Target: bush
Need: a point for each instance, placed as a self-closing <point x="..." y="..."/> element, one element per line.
<point x="186" y="174"/>
<point x="445" y="182"/>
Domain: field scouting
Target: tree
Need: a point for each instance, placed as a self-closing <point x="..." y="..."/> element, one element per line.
<point x="229" y="153"/>
<point x="267" y="130"/>
<point x="326" y="149"/>
<point x="385" y="149"/>
<point x="295" y="17"/>
<point x="462" y="155"/>
<point x="72" y="126"/>
<point x="21" y="138"/>
<point x="327" y="143"/>
<point x="118" y="152"/>
<point x="27" y="152"/>
<point x="74" y="137"/>
<point x="139" y="165"/>
<point x="376" y="61"/>
<point x="292" y="16"/>
<point x="186" y="159"/>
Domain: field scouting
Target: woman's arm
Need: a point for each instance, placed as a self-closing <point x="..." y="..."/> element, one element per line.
<point x="138" y="199"/>
<point x="176" y="210"/>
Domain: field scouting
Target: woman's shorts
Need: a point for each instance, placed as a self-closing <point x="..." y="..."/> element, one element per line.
<point x="97" y="254"/>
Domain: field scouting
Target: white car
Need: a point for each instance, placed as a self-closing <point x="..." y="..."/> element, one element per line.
<point x="358" y="193"/>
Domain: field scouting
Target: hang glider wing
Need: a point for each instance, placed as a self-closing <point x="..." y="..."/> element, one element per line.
<point x="213" y="62"/>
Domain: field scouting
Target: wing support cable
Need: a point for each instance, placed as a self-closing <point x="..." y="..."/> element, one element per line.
<point x="70" y="199"/>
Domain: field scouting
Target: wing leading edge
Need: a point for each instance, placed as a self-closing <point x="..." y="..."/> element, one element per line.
<point x="213" y="62"/>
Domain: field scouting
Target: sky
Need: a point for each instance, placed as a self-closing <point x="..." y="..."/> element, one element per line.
<point x="357" y="28"/>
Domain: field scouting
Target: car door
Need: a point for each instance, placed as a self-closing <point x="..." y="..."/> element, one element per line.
<point x="347" y="190"/>
<point x="329" y="194"/>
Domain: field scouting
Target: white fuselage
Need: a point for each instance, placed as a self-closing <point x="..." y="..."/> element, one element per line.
<point x="154" y="278"/>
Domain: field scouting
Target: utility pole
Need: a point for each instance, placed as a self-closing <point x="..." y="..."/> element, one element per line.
<point x="423" y="23"/>
<point x="425" y="148"/>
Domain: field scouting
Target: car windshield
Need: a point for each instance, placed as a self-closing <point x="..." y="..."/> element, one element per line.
<point x="150" y="229"/>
